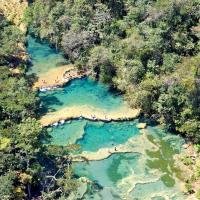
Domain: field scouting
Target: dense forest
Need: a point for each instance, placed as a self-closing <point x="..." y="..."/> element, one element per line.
<point x="147" y="49"/>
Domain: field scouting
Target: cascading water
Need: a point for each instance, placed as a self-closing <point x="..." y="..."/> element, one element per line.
<point x="149" y="172"/>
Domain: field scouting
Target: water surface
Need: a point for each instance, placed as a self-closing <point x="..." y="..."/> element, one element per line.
<point x="91" y="136"/>
<point x="43" y="57"/>
<point x="82" y="92"/>
<point x="150" y="174"/>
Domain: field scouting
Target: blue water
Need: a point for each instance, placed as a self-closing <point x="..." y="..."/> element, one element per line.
<point x="110" y="170"/>
<point x="82" y="92"/>
<point x="153" y="172"/>
<point x="67" y="134"/>
<point x="91" y="136"/>
<point x="118" y="173"/>
<point x="99" y="135"/>
<point x="43" y="57"/>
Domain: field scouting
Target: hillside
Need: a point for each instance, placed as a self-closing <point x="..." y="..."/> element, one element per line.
<point x="13" y="10"/>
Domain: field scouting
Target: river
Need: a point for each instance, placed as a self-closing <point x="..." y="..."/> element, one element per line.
<point x="148" y="171"/>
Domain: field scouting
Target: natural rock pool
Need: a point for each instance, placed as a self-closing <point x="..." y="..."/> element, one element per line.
<point x="148" y="171"/>
<point x="81" y="92"/>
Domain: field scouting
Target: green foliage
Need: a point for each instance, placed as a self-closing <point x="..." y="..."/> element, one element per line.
<point x="189" y="188"/>
<point x="145" y="95"/>
<point x="75" y="44"/>
<point x="197" y="147"/>
<point x="24" y="101"/>
<point x="187" y="160"/>
<point x="29" y="129"/>
<point x="101" y="63"/>
<point x="10" y="39"/>
<point x="67" y="182"/>
<point x="6" y="186"/>
<point x="198" y="194"/>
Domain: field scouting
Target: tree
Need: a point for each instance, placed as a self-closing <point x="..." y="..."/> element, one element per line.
<point x="7" y="186"/>
<point x="24" y="101"/>
<point x="76" y="44"/>
<point x="101" y="63"/>
<point x="11" y="40"/>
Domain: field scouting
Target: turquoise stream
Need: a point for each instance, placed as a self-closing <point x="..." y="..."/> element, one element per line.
<point x="147" y="173"/>
<point x="43" y="57"/>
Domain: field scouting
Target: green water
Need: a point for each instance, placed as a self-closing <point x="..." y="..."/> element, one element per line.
<point x="149" y="174"/>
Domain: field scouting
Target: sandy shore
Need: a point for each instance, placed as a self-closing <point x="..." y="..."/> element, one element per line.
<point x="137" y="144"/>
<point x="90" y="113"/>
<point x="58" y="77"/>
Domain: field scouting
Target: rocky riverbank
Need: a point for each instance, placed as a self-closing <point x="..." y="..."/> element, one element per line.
<point x="59" y="76"/>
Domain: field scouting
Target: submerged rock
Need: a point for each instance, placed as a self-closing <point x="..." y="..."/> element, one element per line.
<point x="49" y="129"/>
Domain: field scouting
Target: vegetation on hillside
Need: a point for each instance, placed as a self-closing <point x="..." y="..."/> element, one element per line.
<point x="149" y="49"/>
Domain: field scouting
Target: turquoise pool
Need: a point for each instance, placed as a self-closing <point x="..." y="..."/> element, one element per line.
<point x="135" y="175"/>
<point x="81" y="92"/>
<point x="43" y="57"/>
<point x="149" y="174"/>
<point x="91" y="136"/>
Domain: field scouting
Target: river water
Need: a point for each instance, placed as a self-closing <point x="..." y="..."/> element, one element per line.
<point x="149" y="172"/>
